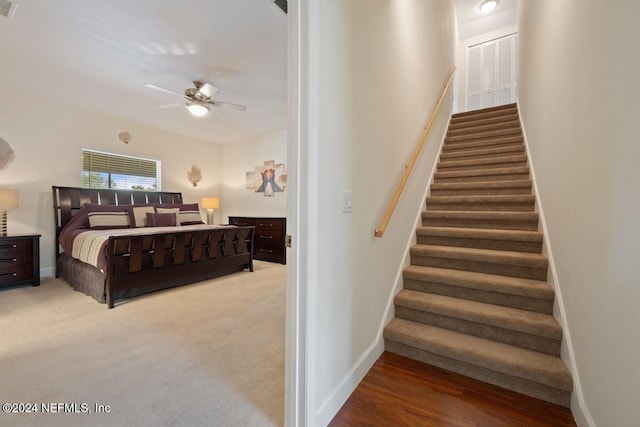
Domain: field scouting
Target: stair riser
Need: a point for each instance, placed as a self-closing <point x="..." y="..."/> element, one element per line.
<point x="444" y="179"/>
<point x="497" y="164"/>
<point x="482" y="136"/>
<point x="483" y="192"/>
<point x="515" y="150"/>
<point x="484" y="207"/>
<point x="469" y="117"/>
<point x="483" y="145"/>
<point x="481" y="128"/>
<point x="519" y="385"/>
<point x="524" y="272"/>
<point x="465" y="242"/>
<point x="484" y="223"/>
<point x="515" y="338"/>
<point x="484" y="122"/>
<point x="506" y="300"/>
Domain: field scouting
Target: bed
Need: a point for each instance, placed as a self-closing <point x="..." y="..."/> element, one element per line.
<point x="123" y="262"/>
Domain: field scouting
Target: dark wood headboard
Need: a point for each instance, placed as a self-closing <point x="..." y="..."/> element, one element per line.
<point x="68" y="200"/>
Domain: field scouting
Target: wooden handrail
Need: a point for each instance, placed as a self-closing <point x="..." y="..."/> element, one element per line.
<point x="407" y="171"/>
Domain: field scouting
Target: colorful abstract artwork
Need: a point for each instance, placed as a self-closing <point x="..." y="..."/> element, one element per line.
<point x="270" y="178"/>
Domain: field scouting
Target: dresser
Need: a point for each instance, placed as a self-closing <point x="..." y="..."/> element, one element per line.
<point x="268" y="238"/>
<point x="20" y="260"/>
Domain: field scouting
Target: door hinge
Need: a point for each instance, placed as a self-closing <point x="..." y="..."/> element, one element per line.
<point x="287" y="240"/>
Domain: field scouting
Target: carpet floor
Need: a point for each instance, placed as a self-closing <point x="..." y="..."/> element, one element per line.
<point x="210" y="353"/>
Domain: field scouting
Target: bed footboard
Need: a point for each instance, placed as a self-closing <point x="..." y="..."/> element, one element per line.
<point x="172" y="259"/>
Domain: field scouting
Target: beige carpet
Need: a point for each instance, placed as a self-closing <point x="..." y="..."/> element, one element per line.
<point x="210" y="353"/>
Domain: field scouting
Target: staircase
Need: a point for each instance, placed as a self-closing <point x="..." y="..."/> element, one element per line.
<point x="475" y="298"/>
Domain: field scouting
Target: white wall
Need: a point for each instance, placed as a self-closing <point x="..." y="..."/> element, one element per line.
<point x="47" y="139"/>
<point x="578" y="96"/>
<point x="488" y="23"/>
<point x="243" y="156"/>
<point x="378" y="69"/>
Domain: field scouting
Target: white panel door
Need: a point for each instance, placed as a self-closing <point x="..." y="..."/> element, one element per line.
<point x="489" y="78"/>
<point x="506" y="70"/>
<point x="491" y="73"/>
<point x="474" y="79"/>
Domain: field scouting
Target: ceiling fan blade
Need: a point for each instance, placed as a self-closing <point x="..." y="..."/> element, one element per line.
<point x="207" y="90"/>
<point x="161" y="89"/>
<point x="238" y="107"/>
<point x="166" y="106"/>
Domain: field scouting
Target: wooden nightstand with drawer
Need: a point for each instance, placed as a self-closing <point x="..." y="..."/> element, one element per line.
<point x="268" y="238"/>
<point x="20" y="260"/>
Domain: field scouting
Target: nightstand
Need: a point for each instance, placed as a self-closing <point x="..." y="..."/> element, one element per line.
<point x="20" y="260"/>
<point x="268" y="238"/>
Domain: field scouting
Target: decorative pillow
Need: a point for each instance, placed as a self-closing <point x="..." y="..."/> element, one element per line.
<point x="106" y="220"/>
<point x="181" y="206"/>
<point x="138" y="214"/>
<point x="103" y="217"/>
<point x="190" y="217"/>
<point x="188" y="213"/>
<point x="173" y="211"/>
<point x="161" y="219"/>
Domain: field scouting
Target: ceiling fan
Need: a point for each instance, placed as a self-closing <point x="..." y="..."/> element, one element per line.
<point x="198" y="99"/>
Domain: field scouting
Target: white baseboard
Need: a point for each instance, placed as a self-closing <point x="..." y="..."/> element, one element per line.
<point x="578" y="406"/>
<point x="47" y="272"/>
<point x="332" y="404"/>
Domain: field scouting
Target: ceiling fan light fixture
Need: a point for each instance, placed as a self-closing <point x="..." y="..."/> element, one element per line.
<point x="197" y="109"/>
<point x="488" y="6"/>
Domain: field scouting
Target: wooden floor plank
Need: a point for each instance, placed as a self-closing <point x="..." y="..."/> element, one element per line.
<point x="398" y="391"/>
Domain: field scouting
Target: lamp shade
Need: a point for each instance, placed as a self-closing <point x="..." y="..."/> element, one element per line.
<point x="8" y="199"/>
<point x="210" y="203"/>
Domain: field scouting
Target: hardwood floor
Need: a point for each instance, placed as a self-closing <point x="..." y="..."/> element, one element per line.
<point x="402" y="392"/>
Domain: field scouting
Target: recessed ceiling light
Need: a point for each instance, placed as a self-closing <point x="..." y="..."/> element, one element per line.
<point x="488" y="6"/>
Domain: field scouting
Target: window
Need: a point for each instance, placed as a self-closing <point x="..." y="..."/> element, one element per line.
<point x="106" y="170"/>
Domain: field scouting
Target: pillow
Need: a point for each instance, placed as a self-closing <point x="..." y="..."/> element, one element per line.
<point x="107" y="220"/>
<point x="173" y="211"/>
<point x="104" y="217"/>
<point x="188" y="214"/>
<point x="181" y="206"/>
<point x="190" y="217"/>
<point x="161" y="219"/>
<point x="138" y="214"/>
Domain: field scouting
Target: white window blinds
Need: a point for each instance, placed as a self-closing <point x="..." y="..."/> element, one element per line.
<point x="106" y="170"/>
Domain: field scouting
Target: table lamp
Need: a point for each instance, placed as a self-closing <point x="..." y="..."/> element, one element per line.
<point x="210" y="203"/>
<point x="8" y="200"/>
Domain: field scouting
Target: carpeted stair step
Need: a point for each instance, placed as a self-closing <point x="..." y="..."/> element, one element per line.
<point x="483" y="144"/>
<point x="486" y="113"/>
<point x="512" y="203"/>
<point x="510" y="150"/>
<point x="525" y="371"/>
<point x="477" y="175"/>
<point x="478" y="136"/>
<point x="486" y="121"/>
<point x="484" y="127"/>
<point x="505" y="263"/>
<point x="479" y="238"/>
<point x="522" y="186"/>
<point x="525" y="294"/>
<point x="520" y="328"/>
<point x="479" y="219"/>
<point x="505" y="161"/>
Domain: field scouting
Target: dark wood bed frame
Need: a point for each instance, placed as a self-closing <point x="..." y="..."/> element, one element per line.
<point x="139" y="264"/>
